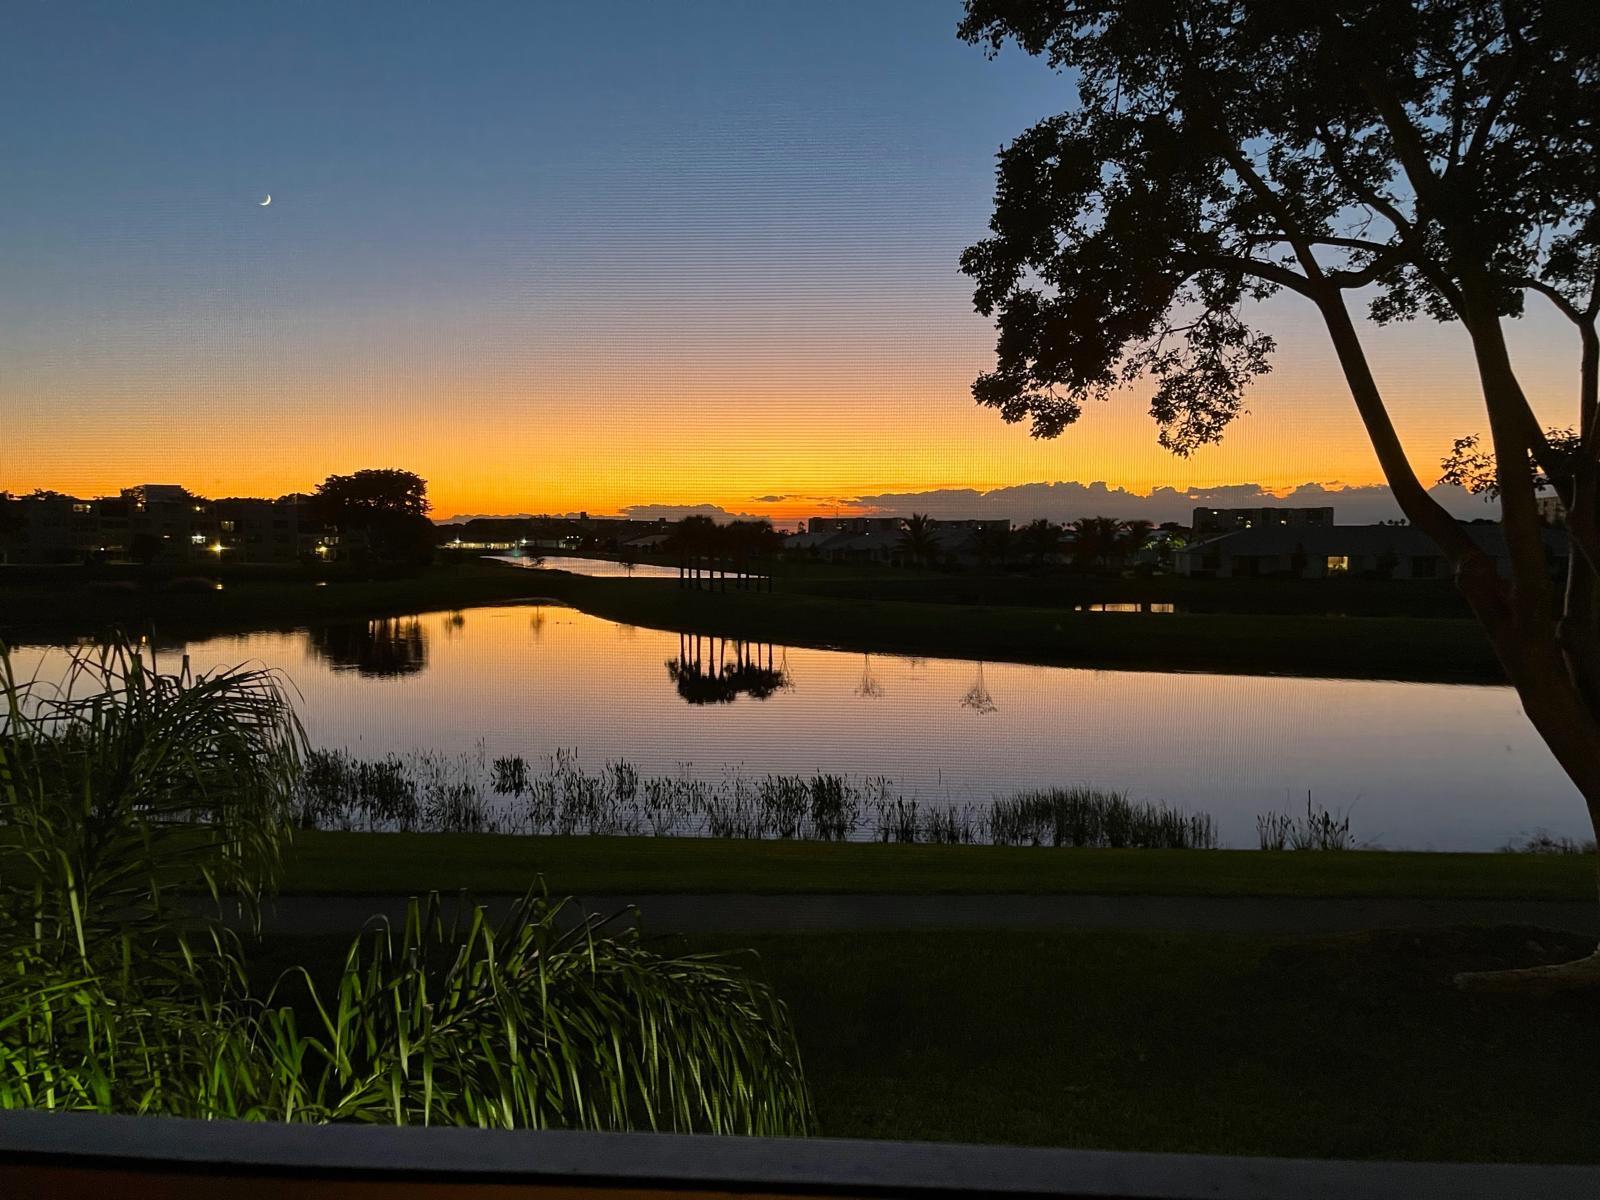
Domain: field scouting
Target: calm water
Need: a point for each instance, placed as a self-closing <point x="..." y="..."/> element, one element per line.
<point x="603" y="568"/>
<point x="1418" y="765"/>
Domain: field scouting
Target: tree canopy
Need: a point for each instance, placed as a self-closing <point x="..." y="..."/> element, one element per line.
<point x="384" y="492"/>
<point x="1423" y="158"/>
<point x="388" y="508"/>
<point x="1437" y="157"/>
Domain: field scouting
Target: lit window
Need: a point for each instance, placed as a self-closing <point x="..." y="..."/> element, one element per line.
<point x="1338" y="564"/>
<point x="227" y="526"/>
<point x="199" y="539"/>
<point x="80" y="508"/>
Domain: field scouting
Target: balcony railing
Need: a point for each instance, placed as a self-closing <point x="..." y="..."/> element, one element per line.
<point x="72" y="1156"/>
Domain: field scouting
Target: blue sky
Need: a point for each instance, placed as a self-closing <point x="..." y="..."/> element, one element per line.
<point x="556" y="257"/>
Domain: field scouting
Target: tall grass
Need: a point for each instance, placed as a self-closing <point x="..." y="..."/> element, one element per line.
<point x="1084" y="817"/>
<point x="1319" y="829"/>
<point x="140" y="810"/>
<point x="560" y="797"/>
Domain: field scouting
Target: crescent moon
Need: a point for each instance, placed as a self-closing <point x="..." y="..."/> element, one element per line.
<point x="265" y="202"/>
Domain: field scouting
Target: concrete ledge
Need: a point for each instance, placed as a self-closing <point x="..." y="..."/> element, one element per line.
<point x="84" y="1154"/>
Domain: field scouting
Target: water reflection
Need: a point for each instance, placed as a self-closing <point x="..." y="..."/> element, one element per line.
<point x="380" y="649"/>
<point x="977" y="697"/>
<point x="711" y="670"/>
<point x="868" y="688"/>
<point x="1417" y="765"/>
<point x="1117" y="606"/>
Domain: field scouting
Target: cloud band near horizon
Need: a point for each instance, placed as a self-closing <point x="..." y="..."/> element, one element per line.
<point x="1063" y="501"/>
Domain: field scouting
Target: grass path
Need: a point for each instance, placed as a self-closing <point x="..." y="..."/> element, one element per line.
<point x="380" y="863"/>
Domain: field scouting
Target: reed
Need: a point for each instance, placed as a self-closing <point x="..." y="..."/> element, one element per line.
<point x="561" y="797"/>
<point x="1318" y="829"/>
<point x="1088" y="817"/>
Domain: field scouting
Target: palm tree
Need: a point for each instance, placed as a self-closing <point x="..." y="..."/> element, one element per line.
<point x="1041" y="538"/>
<point x="916" y="539"/>
<point x="994" y="545"/>
<point x="1131" y="539"/>
<point x="1094" y="540"/>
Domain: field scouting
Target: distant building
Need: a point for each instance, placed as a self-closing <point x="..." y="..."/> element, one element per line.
<point x="1315" y="552"/>
<point x="1226" y="520"/>
<point x="854" y="525"/>
<point x="880" y="539"/>
<point x="157" y="522"/>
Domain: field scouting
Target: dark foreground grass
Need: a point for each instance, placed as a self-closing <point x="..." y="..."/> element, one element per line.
<point x="1352" y="1046"/>
<point x="378" y="863"/>
<point x="1332" y="1047"/>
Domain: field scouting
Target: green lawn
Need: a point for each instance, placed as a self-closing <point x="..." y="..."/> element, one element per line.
<point x="1352" y="1046"/>
<point x="1324" y="1047"/>
<point x="356" y="863"/>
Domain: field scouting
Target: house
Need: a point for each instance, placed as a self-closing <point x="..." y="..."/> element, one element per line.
<point x="1319" y="552"/>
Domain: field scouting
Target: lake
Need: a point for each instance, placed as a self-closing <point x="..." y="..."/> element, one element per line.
<point x="1417" y="765"/>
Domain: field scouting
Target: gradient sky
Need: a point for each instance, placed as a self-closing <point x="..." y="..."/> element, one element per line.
<point x="559" y="257"/>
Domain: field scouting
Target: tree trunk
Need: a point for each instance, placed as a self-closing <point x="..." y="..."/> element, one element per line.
<point x="1547" y="669"/>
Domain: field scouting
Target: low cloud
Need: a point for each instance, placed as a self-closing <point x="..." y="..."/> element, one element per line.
<point x="1067" y="501"/>
<point x="676" y="512"/>
<point x="1362" y="504"/>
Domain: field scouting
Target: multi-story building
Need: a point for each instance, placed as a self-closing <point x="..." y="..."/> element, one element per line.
<point x="162" y="523"/>
<point x="1227" y="520"/>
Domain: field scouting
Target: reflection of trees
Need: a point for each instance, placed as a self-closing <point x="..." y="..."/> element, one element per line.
<point x="383" y="648"/>
<point x="977" y="696"/>
<point x="869" y="686"/>
<point x="711" y="670"/>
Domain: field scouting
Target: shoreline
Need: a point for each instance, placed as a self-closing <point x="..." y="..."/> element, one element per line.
<point x="1387" y="648"/>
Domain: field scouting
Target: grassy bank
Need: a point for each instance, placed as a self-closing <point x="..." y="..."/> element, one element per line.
<point x="360" y="863"/>
<point x="1350" y="647"/>
<point x="65" y="602"/>
<point x="1349" y="596"/>
<point x="1347" y="1047"/>
<point x="1303" y="644"/>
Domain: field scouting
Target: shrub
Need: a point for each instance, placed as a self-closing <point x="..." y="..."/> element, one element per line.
<point x="139" y="811"/>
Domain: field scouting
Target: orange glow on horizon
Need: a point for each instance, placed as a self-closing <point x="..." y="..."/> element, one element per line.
<point x="746" y="426"/>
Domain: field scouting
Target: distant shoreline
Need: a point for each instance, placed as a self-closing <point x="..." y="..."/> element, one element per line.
<point x="57" y="607"/>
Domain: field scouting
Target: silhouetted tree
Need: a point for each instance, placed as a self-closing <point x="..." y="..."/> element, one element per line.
<point x="695" y="535"/>
<point x="1095" y="540"/>
<point x="994" y="545"/>
<point x="387" y="509"/>
<point x="1040" y="539"/>
<point x="917" y="542"/>
<point x="1132" y="537"/>
<point x="1438" y="156"/>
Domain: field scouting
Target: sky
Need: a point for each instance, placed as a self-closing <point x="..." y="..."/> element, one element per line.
<point x="603" y="257"/>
